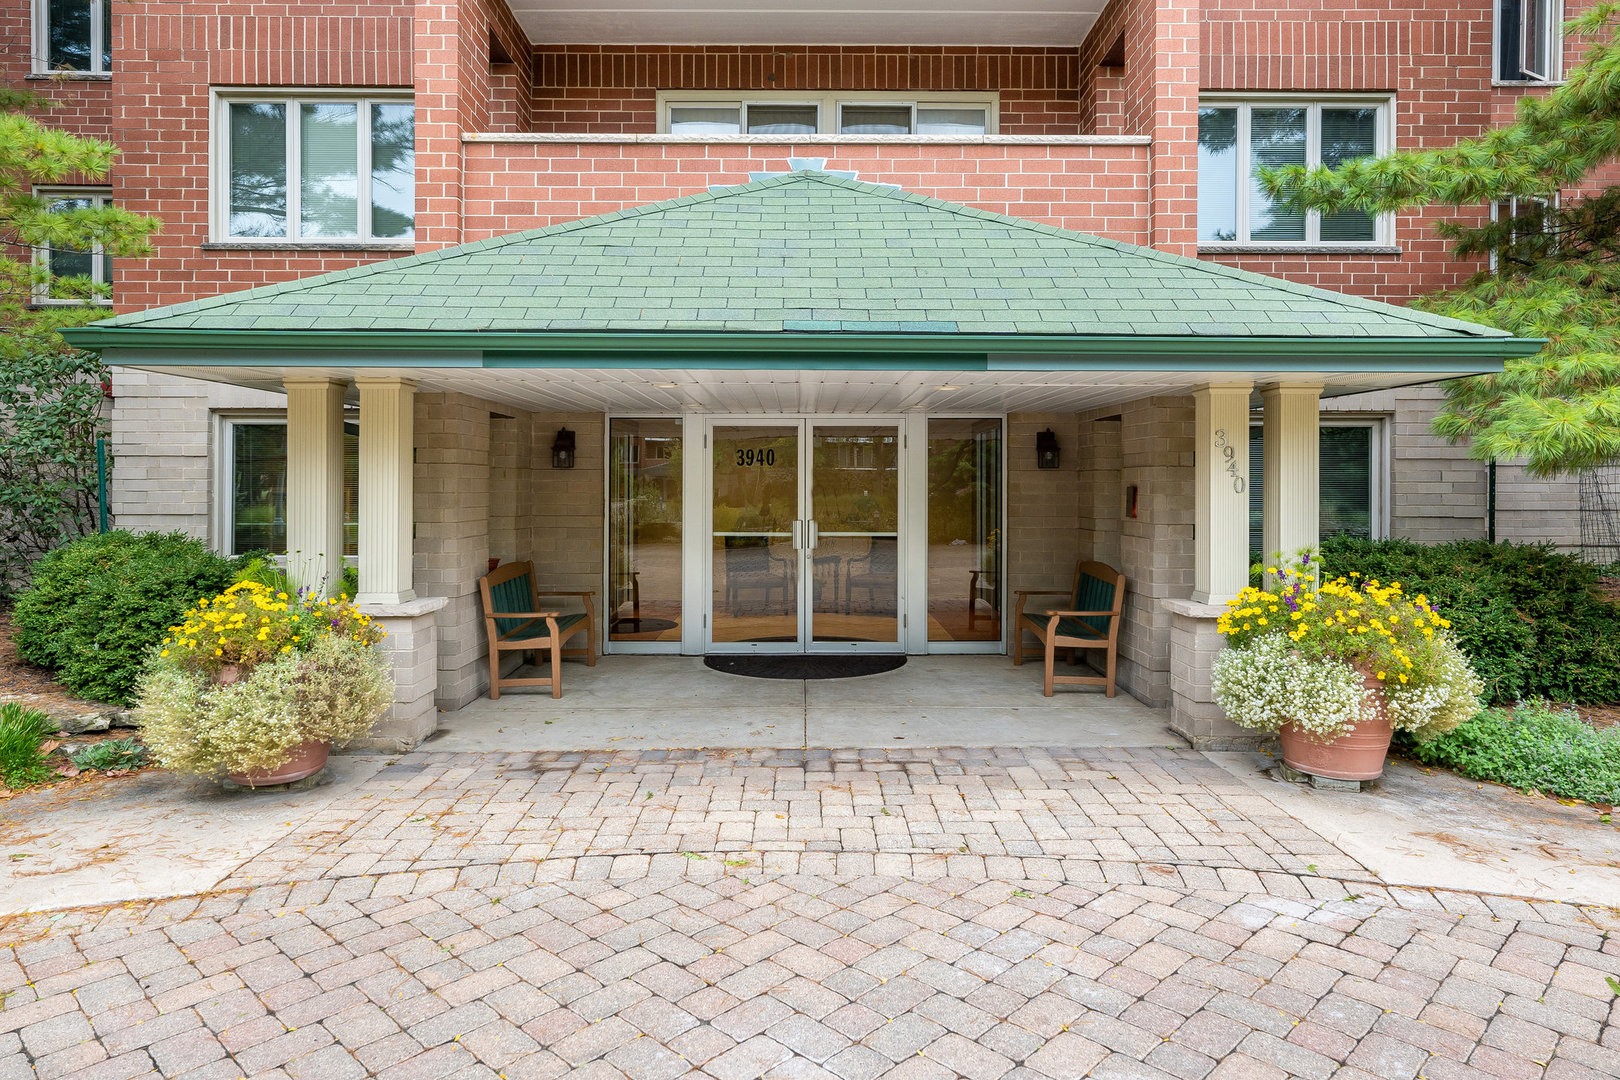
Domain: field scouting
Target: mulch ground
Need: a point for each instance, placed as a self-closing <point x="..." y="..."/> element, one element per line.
<point x="32" y="685"/>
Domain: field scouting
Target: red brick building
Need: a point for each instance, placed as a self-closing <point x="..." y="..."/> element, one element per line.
<point x="277" y="141"/>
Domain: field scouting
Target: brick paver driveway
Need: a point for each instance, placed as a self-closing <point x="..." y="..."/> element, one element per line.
<point x="1029" y="914"/>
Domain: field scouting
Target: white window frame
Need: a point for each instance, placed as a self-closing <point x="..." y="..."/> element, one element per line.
<point x="223" y="487"/>
<point x="830" y="107"/>
<point x="219" y="158"/>
<point x="1378" y="465"/>
<point x="1554" y="13"/>
<point x="1383" y="223"/>
<point x="102" y="196"/>
<point x="42" y="39"/>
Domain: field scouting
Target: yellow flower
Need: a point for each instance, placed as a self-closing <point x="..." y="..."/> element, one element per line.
<point x="1403" y="677"/>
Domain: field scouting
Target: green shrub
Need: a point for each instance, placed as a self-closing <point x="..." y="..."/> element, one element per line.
<point x="1533" y="746"/>
<point x="22" y="732"/>
<point x="110" y="754"/>
<point x="1531" y="620"/>
<point x="98" y="604"/>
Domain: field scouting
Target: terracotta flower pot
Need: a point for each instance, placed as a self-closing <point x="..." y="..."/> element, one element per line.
<point x="1358" y="754"/>
<point x="307" y="759"/>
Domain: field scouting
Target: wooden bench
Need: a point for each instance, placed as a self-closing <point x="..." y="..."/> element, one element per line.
<point x="515" y="623"/>
<point x="1091" y="622"/>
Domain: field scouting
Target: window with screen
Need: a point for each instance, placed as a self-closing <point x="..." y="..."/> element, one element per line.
<point x="1350" y="479"/>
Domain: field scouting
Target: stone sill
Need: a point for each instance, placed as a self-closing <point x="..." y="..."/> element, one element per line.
<point x="553" y="138"/>
<point x="330" y="245"/>
<point x="1192" y="609"/>
<point x="410" y="609"/>
<point x="69" y="76"/>
<point x="1297" y="249"/>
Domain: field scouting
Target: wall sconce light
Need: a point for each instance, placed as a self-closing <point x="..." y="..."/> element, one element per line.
<point x="1046" y="449"/>
<point x="562" y="450"/>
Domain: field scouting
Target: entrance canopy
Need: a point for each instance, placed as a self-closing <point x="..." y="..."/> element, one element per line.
<point x="800" y="292"/>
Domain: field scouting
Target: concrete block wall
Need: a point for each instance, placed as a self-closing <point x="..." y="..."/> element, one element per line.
<point x="452" y="533"/>
<point x="162" y="442"/>
<point x="1437" y="492"/>
<point x="1043" y="505"/>
<point x="566" y="507"/>
<point x="1156" y="546"/>
<point x="1100" y="456"/>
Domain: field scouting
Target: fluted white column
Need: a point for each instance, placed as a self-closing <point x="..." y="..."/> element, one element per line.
<point x="315" y="483"/>
<point x="1291" y="464"/>
<point x="1221" y="499"/>
<point x="387" y="490"/>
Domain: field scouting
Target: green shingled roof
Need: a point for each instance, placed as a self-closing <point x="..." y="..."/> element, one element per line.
<point x="805" y="253"/>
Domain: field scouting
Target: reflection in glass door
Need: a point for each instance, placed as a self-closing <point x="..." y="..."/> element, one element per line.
<point x="805" y="546"/>
<point x="855" y="534"/>
<point x="754" y="597"/>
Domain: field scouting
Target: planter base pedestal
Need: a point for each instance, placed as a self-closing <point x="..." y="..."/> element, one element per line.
<point x="311" y="781"/>
<point x="1323" y="783"/>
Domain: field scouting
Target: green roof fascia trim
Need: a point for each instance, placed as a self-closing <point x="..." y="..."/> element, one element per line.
<point x="769" y="350"/>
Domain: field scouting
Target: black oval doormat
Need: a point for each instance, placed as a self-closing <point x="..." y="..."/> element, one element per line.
<point x="804" y="667"/>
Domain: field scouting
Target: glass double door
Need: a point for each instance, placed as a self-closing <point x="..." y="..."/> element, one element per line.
<point x="805" y="547"/>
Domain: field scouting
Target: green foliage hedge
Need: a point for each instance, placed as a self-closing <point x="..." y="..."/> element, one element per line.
<point x="1530" y="619"/>
<point x="1534" y="747"/>
<point x="96" y="605"/>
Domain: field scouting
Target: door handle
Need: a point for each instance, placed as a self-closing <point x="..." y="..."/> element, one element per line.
<point x="798" y="535"/>
<point x="815" y="534"/>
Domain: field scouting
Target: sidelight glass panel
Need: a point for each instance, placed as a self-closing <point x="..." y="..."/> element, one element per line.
<point x="965" y="556"/>
<point x="1348" y="134"/>
<point x="755" y="578"/>
<point x="1276" y="139"/>
<point x="329" y="176"/>
<point x="644" y="530"/>
<point x="855" y="503"/>
<point x="258" y="169"/>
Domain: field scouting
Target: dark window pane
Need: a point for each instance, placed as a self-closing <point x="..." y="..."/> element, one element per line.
<point x="258" y="169"/>
<point x="1217" y="175"/>
<point x="106" y="35"/>
<point x="68" y="35"/>
<point x="259" y="488"/>
<point x="393" y="171"/>
<point x="1347" y="481"/>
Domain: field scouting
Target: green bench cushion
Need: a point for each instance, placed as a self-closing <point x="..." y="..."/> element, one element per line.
<point x="525" y="629"/>
<point x="1070" y="627"/>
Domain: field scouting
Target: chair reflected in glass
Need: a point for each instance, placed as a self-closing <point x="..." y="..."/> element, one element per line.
<point x="876" y="572"/>
<point x="753" y="566"/>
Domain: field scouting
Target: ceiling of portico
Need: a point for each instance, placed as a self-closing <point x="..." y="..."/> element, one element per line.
<point x="670" y="391"/>
<point x="1050" y="23"/>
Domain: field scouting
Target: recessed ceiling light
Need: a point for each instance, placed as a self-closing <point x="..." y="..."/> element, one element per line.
<point x="691" y="404"/>
<point x="666" y="385"/>
<point x="947" y="386"/>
